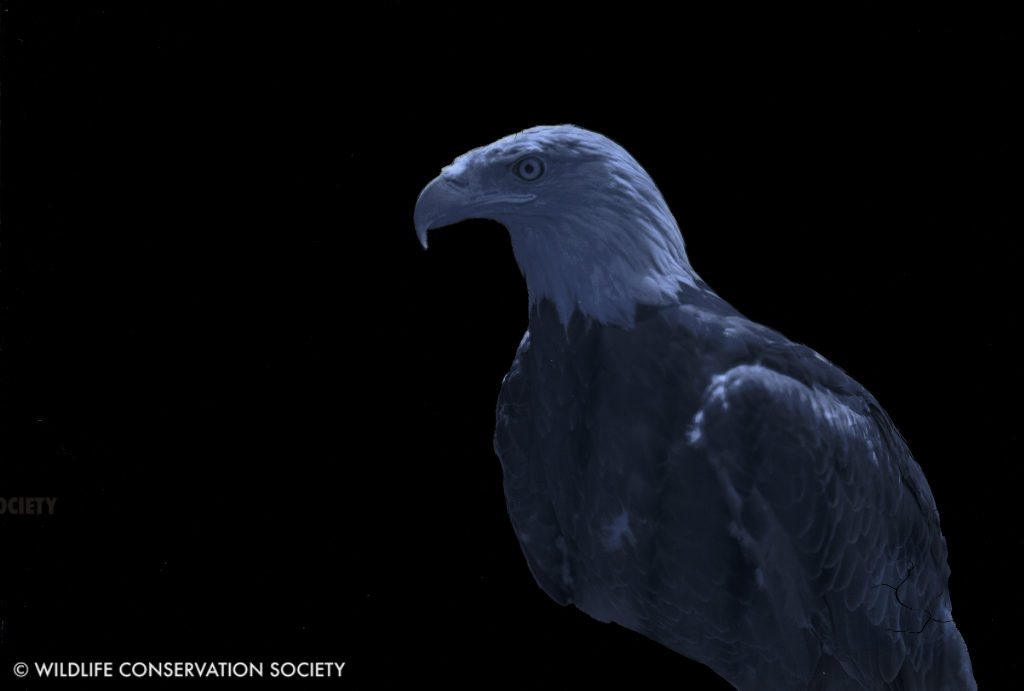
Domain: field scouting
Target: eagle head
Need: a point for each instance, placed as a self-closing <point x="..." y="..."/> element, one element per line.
<point x="589" y="228"/>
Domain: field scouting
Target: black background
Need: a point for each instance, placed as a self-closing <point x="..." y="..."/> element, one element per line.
<point x="267" y="413"/>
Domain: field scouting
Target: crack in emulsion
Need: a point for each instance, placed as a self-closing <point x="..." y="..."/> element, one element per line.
<point x="896" y="593"/>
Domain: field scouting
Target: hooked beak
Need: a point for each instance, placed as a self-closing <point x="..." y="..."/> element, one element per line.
<point x="448" y="199"/>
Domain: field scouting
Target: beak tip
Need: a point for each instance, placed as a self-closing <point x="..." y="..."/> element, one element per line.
<point x="422" y="227"/>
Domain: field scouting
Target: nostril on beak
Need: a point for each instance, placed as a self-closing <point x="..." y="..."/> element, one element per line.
<point x="455" y="182"/>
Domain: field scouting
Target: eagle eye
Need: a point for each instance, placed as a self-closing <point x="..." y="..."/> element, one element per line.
<point x="529" y="168"/>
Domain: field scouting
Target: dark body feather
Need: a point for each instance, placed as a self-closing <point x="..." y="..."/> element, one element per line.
<point x="702" y="480"/>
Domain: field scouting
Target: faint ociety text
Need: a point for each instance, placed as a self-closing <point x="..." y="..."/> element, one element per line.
<point x="27" y="506"/>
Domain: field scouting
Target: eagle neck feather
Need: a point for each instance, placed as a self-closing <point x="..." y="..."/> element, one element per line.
<point x="603" y="259"/>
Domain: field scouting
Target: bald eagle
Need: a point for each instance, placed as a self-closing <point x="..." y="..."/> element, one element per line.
<point x="676" y="468"/>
